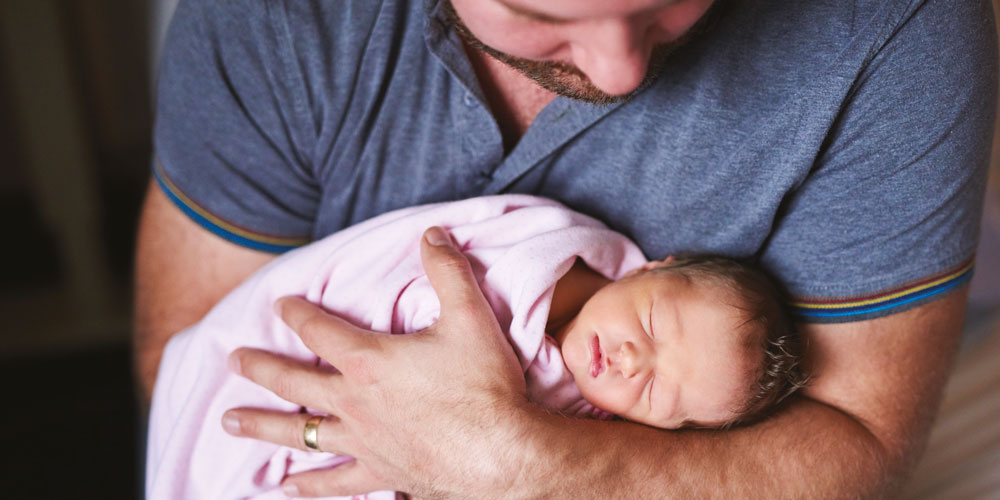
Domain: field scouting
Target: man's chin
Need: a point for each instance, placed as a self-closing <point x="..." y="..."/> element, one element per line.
<point x="564" y="79"/>
<point x="568" y="81"/>
<point x="574" y="87"/>
<point x="560" y="78"/>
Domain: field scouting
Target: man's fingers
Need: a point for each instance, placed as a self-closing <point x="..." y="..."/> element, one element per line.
<point x="450" y="274"/>
<point x="347" y="479"/>
<point x="323" y="333"/>
<point x="291" y="380"/>
<point x="288" y="429"/>
<point x="285" y="429"/>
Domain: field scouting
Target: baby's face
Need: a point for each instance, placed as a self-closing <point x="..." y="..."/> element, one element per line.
<point x="660" y="349"/>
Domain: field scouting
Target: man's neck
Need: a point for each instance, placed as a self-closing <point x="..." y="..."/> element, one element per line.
<point x="513" y="98"/>
<point x="572" y="290"/>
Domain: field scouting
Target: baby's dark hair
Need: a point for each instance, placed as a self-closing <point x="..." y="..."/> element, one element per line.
<point x="751" y="290"/>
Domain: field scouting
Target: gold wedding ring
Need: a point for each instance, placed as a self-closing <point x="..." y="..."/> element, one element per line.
<point x="311" y="433"/>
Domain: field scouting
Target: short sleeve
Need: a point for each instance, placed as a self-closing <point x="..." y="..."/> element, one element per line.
<point x="233" y="138"/>
<point x="888" y="218"/>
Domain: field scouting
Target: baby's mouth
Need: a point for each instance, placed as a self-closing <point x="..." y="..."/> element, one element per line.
<point x="596" y="357"/>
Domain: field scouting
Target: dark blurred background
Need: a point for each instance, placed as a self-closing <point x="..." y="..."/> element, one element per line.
<point x="75" y="143"/>
<point x="75" y="127"/>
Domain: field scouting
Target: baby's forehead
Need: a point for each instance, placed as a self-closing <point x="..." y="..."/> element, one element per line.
<point x="738" y="334"/>
<point x="695" y="285"/>
<point x="698" y="293"/>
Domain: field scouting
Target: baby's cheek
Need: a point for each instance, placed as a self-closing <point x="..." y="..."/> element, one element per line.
<point x="605" y="397"/>
<point x="569" y="356"/>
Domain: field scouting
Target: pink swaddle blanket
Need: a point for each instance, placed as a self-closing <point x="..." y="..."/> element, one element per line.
<point x="370" y="274"/>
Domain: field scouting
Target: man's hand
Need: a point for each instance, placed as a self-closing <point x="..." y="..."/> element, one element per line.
<point x="426" y="413"/>
<point x="443" y="413"/>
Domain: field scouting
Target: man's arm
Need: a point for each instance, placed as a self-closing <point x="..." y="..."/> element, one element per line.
<point x="854" y="433"/>
<point x="859" y="429"/>
<point x="181" y="271"/>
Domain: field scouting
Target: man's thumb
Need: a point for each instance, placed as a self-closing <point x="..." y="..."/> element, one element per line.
<point x="450" y="274"/>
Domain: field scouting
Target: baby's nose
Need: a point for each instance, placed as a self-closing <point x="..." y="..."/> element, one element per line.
<point x="629" y="360"/>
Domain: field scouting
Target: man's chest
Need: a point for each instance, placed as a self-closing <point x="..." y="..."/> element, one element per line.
<point x="660" y="173"/>
<point x="700" y="161"/>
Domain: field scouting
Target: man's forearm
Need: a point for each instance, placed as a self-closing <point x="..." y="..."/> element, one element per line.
<point x="855" y="432"/>
<point x="809" y="450"/>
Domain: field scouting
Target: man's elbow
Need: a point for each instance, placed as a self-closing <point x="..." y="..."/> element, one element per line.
<point x="887" y="376"/>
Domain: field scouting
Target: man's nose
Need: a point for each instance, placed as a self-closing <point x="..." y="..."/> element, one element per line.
<point x="613" y="54"/>
<point x="631" y="361"/>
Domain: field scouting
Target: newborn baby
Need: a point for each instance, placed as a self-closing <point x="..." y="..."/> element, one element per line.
<point x="691" y="342"/>
<point x="682" y="342"/>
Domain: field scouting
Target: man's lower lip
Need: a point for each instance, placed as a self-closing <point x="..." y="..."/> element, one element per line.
<point x="596" y="359"/>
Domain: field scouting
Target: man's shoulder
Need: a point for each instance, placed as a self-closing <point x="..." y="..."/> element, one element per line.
<point x="308" y="46"/>
<point x="831" y="23"/>
<point x="305" y="24"/>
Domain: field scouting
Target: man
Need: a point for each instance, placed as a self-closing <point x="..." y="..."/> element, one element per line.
<point x="843" y="144"/>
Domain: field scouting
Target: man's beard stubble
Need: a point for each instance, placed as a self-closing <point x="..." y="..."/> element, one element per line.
<point x="561" y="78"/>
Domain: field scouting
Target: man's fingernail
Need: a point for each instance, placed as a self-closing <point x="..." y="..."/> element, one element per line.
<point x="437" y="237"/>
<point x="290" y="489"/>
<point x="231" y="423"/>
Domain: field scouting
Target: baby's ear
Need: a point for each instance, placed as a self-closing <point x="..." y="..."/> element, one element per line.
<point x="653" y="264"/>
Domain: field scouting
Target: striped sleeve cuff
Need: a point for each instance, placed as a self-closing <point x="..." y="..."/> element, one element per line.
<point x="882" y="303"/>
<point x="227" y="230"/>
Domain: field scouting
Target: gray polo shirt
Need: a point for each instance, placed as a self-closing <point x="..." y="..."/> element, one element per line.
<point x="841" y="144"/>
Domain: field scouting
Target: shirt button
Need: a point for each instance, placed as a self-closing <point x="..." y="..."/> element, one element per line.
<point x="469" y="100"/>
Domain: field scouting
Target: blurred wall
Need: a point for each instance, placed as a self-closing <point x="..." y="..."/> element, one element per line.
<point x="984" y="296"/>
<point x="75" y="123"/>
